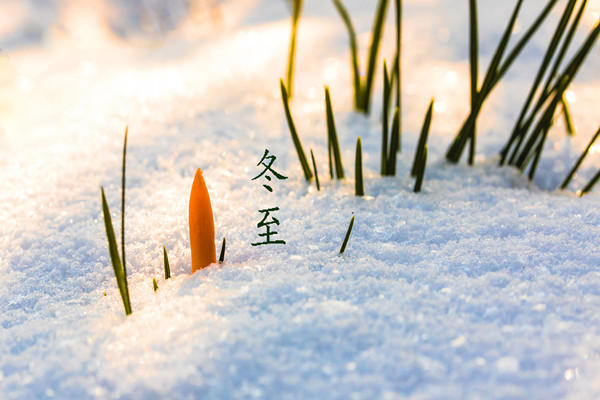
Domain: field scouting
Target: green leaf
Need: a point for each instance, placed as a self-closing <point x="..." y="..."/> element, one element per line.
<point x="353" y="53"/>
<point x="297" y="8"/>
<point x="422" y="140"/>
<point x="115" y="259"/>
<point x="166" y="263"/>
<point x="312" y="156"/>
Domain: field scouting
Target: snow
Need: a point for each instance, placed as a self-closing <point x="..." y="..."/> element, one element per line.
<point x="483" y="286"/>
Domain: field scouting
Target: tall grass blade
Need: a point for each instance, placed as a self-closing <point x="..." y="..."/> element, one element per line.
<point x="301" y="156"/>
<point x="296" y="10"/>
<point x="474" y="68"/>
<point x="385" y="119"/>
<point x="359" y="188"/>
<point x="332" y="134"/>
<point x="421" y="171"/>
<point x="330" y="156"/>
<point x="398" y="69"/>
<point x="222" y="255"/>
<point x="422" y="140"/>
<point x="312" y="156"/>
<point x="566" y="112"/>
<point x="395" y="143"/>
<point x="154" y="284"/>
<point x="376" y="35"/>
<point x="348" y="232"/>
<point x="353" y="53"/>
<point x="166" y="263"/>
<point x="123" y="202"/>
<point x="115" y="259"/>
<point x="579" y="161"/>
<point x="590" y="185"/>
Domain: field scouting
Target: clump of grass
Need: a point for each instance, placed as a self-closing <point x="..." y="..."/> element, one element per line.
<point x="533" y="146"/>
<point x="525" y="121"/>
<point x="295" y="138"/>
<point x="222" y="254"/>
<point x="421" y="171"/>
<point x="296" y="10"/>
<point x="496" y="71"/>
<point x="332" y="136"/>
<point x="312" y="156"/>
<point x="166" y="263"/>
<point x="359" y="188"/>
<point x="579" y="161"/>
<point x="120" y="274"/>
<point x="363" y="88"/>
<point x="348" y="232"/>
<point x="418" y="160"/>
<point x="154" y="284"/>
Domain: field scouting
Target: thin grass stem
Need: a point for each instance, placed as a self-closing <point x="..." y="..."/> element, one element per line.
<point x="296" y="10"/>
<point x="348" y="232"/>
<point x="166" y="263"/>
<point x="590" y="185"/>
<point x="359" y="188"/>
<point x="421" y="171"/>
<point x="474" y="68"/>
<point x="566" y="113"/>
<point x="353" y="53"/>
<point x="395" y="143"/>
<point x="376" y="35"/>
<point x="579" y="161"/>
<point x="123" y="201"/>
<point x="312" y="156"/>
<point x="385" y="119"/>
<point x="332" y="134"/>
<point x="222" y="255"/>
<point x="154" y="284"/>
<point x="301" y="156"/>
<point x="422" y="140"/>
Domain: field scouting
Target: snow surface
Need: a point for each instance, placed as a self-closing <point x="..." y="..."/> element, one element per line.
<point x="483" y="286"/>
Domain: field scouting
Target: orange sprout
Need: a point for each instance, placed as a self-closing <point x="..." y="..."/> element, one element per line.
<point x="202" y="225"/>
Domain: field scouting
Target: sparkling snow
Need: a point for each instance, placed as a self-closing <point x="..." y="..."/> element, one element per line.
<point x="483" y="286"/>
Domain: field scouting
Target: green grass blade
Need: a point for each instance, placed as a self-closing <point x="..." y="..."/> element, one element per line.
<point x="376" y="35"/>
<point x="353" y="53"/>
<point x="385" y="119"/>
<point x="474" y="68"/>
<point x="114" y="255"/>
<point x="296" y="10"/>
<point x="590" y="185"/>
<point x="301" y="156"/>
<point x="538" y="151"/>
<point x="421" y="171"/>
<point x="579" y="161"/>
<point x="359" y="188"/>
<point x="422" y="140"/>
<point x="395" y="142"/>
<point x="312" y="156"/>
<point x="398" y="61"/>
<point x="348" y="232"/>
<point x="566" y="112"/>
<point x="222" y="254"/>
<point x="166" y="263"/>
<point x="330" y="156"/>
<point x="154" y="284"/>
<point x="332" y="134"/>
<point x="123" y="202"/>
